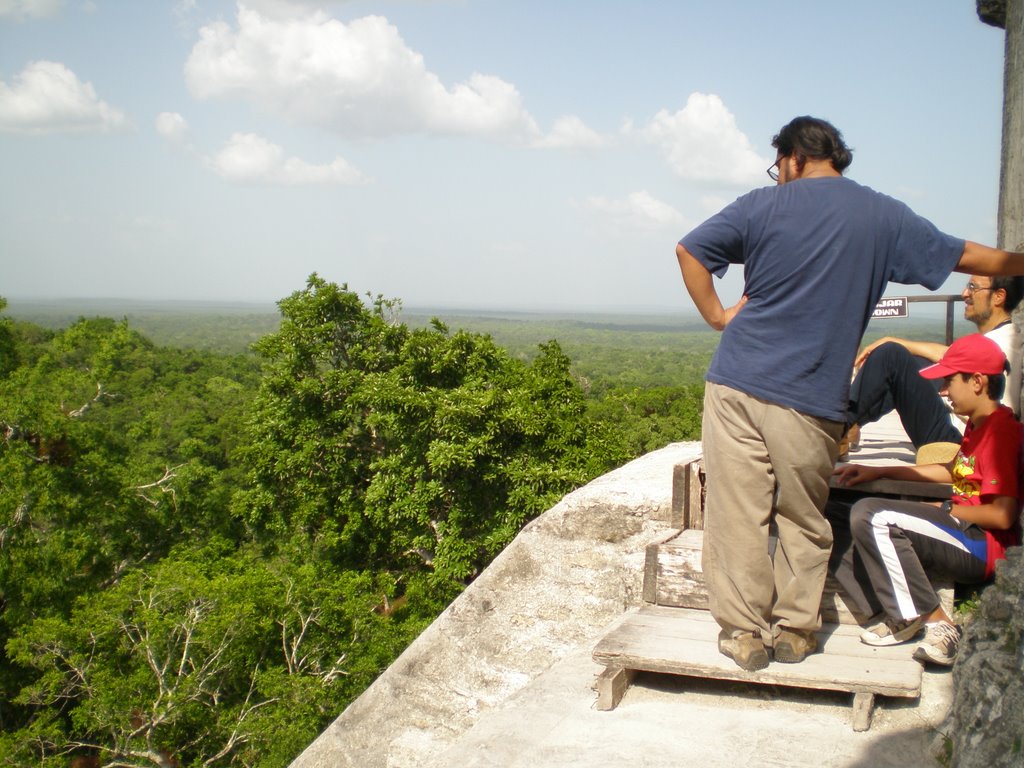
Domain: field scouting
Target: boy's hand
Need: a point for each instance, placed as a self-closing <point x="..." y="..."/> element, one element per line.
<point x="853" y="474"/>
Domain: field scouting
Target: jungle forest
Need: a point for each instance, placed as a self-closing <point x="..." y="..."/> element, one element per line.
<point x="206" y="553"/>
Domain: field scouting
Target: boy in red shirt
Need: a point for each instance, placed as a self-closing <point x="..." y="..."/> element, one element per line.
<point x="960" y="539"/>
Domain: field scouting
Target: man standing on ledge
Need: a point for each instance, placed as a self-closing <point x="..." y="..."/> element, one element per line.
<point x="818" y="251"/>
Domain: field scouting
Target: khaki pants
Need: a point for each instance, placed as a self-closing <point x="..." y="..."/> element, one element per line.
<point x="765" y="463"/>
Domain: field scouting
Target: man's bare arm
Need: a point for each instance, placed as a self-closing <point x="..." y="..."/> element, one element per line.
<point x="978" y="259"/>
<point x="700" y="284"/>
<point x="929" y="350"/>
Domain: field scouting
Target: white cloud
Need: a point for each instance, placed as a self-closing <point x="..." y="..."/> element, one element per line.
<point x="47" y="97"/>
<point x="638" y="211"/>
<point x="357" y="79"/>
<point x="173" y="128"/>
<point x="571" y="132"/>
<point x="251" y="159"/>
<point x="29" y="9"/>
<point x="702" y="143"/>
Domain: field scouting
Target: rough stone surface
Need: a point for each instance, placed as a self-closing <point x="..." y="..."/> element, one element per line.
<point x="1011" y="172"/>
<point x="988" y="711"/>
<point x="992" y="12"/>
<point x="567" y="575"/>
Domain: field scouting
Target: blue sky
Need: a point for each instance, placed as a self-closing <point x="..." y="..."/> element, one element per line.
<point x="457" y="153"/>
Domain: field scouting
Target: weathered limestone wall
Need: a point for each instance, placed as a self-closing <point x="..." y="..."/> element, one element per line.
<point x="567" y="575"/>
<point x="1009" y="14"/>
<point x="987" y="721"/>
<point x="1011" y="187"/>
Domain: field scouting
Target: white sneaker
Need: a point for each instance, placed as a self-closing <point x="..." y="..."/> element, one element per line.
<point x="892" y="632"/>
<point x="940" y="644"/>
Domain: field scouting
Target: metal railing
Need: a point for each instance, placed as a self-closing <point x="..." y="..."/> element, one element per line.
<point x="950" y="299"/>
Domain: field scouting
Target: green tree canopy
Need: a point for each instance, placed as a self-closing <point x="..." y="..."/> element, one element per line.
<point x="111" y="451"/>
<point x="399" y="449"/>
<point x="210" y="657"/>
<point x="203" y="557"/>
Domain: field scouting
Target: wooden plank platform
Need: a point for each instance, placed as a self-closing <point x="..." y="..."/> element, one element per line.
<point x="683" y="641"/>
<point x="673" y="632"/>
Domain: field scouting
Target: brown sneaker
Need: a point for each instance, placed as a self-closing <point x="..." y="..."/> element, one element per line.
<point x="794" y="645"/>
<point x="940" y="644"/>
<point x="887" y="632"/>
<point x="745" y="648"/>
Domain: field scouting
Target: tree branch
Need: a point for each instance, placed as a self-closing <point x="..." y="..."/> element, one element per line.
<point x="100" y="394"/>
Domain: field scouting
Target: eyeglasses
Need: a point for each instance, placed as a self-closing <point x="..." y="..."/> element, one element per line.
<point x="973" y="288"/>
<point x="773" y="172"/>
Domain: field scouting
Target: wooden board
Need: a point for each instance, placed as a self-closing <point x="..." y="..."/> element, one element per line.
<point x="673" y="577"/>
<point x="688" y="494"/>
<point x="685" y="642"/>
<point x="672" y="572"/>
<point x="904" y="489"/>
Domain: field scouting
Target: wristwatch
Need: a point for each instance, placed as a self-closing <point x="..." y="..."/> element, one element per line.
<point x="947" y="506"/>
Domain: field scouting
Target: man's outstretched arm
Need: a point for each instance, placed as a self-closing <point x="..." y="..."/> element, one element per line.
<point x="700" y="284"/>
<point x="978" y="259"/>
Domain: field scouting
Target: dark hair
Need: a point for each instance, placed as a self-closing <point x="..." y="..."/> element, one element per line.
<point x="1014" y="287"/>
<point x="810" y="138"/>
<point x="996" y="384"/>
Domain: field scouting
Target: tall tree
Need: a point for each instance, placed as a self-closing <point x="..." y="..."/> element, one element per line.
<point x="399" y="449"/>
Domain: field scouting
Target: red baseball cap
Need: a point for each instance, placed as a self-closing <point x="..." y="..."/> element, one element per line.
<point x="975" y="353"/>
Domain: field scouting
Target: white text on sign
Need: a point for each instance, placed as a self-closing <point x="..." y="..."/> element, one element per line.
<point x="891" y="306"/>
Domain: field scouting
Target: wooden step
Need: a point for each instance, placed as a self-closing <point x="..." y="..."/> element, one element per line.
<point x="684" y="641"/>
<point x="673" y="578"/>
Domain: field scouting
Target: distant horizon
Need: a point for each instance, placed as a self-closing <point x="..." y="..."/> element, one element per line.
<point x="685" y="312"/>
<point x="684" y="309"/>
<point x="623" y="309"/>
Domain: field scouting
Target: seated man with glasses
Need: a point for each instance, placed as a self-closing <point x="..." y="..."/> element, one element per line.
<point x="888" y="378"/>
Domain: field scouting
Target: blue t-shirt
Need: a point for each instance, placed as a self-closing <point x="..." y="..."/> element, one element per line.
<point x="817" y="255"/>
